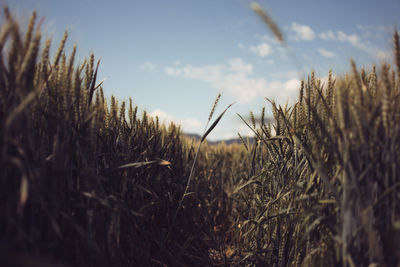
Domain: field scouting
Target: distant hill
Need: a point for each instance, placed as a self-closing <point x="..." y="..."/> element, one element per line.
<point x="197" y="137"/>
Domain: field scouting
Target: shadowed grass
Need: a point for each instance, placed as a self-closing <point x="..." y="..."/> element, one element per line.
<point x="87" y="181"/>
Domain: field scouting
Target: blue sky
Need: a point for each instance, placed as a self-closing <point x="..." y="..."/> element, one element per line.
<point x="174" y="56"/>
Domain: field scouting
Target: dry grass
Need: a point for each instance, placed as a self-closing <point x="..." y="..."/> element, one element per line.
<point x="87" y="181"/>
<point x="324" y="190"/>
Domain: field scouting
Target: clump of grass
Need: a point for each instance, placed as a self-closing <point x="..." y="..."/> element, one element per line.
<point x="207" y="131"/>
<point x="87" y="180"/>
<point x="324" y="189"/>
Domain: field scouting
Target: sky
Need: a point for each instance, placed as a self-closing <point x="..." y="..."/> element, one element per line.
<point x="173" y="57"/>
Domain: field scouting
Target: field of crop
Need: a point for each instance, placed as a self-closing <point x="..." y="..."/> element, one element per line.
<point x="87" y="181"/>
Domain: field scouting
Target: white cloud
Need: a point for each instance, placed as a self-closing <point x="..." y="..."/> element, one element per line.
<point x="329" y="35"/>
<point x="239" y="66"/>
<point x="292" y="85"/>
<point x="289" y="87"/>
<point x="148" y="66"/>
<point x="374" y="28"/>
<point x="228" y="135"/>
<point x="244" y="131"/>
<point x="241" y="46"/>
<point x="173" y="71"/>
<point x="261" y="50"/>
<point x="236" y="78"/>
<point x="189" y="125"/>
<point x="353" y="39"/>
<point x="270" y="39"/>
<point x="383" y="55"/>
<point x="207" y="73"/>
<point x="326" y="53"/>
<point x="303" y="32"/>
<point x="286" y="75"/>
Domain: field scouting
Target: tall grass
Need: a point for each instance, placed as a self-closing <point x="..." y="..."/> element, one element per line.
<point x="325" y="189"/>
<point x="87" y="180"/>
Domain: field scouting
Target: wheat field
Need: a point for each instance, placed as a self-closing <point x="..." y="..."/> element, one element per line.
<point x="88" y="181"/>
